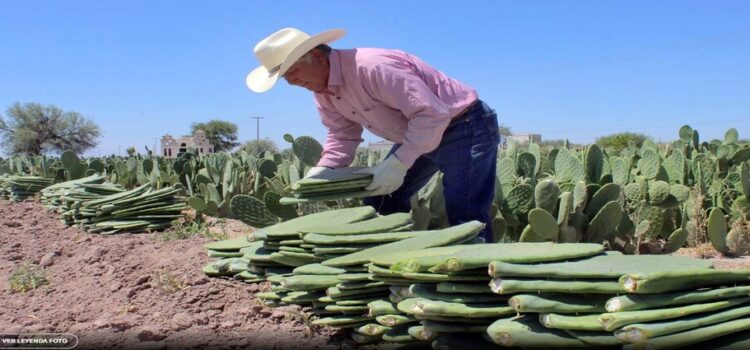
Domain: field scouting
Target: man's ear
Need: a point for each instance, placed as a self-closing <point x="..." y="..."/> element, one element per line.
<point x="318" y="56"/>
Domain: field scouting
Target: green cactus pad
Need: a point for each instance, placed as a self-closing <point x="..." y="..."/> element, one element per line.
<point x="745" y="179"/>
<point x="607" y="193"/>
<point x="544" y="224"/>
<point x="655" y="218"/>
<point x="568" y="168"/>
<point x="234" y="244"/>
<point x="307" y="149"/>
<point x="602" y="226"/>
<point x="377" y="224"/>
<point x="620" y="171"/>
<point x="197" y="203"/>
<point x="520" y="198"/>
<point x="680" y="192"/>
<point x="546" y="193"/>
<point x="632" y="192"/>
<point x="717" y="230"/>
<point x="566" y="208"/>
<point x="526" y="165"/>
<point x="594" y="163"/>
<point x="506" y="171"/>
<point x="731" y="136"/>
<point x="740" y="156"/>
<point x="741" y="208"/>
<point x="481" y="255"/>
<point x="686" y="134"/>
<point x="427" y="307"/>
<point x="437" y="238"/>
<point x="649" y="163"/>
<point x="527" y="332"/>
<point x="292" y="227"/>
<point x="658" y="191"/>
<point x="676" y="240"/>
<point x="267" y="168"/>
<point x="580" y="196"/>
<point x="252" y="211"/>
<point x="605" y="266"/>
<point x="675" y="165"/>
<point x="285" y="212"/>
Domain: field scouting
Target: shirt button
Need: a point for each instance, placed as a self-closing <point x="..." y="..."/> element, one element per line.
<point x="338" y="98"/>
<point x="369" y="126"/>
<point x="353" y="112"/>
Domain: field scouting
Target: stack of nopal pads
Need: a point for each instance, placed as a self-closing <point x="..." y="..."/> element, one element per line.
<point x="337" y="289"/>
<point x="52" y="195"/>
<point x="276" y="250"/>
<point x="628" y="301"/>
<point x="441" y="294"/>
<point x="343" y="291"/>
<point x="603" y="299"/>
<point x="331" y="184"/>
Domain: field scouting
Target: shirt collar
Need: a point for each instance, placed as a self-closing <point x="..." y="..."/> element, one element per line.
<point x="334" y="75"/>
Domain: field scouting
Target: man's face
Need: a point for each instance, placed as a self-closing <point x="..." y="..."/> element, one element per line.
<point x="309" y="72"/>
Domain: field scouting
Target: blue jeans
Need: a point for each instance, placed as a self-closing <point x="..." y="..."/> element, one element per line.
<point x="467" y="156"/>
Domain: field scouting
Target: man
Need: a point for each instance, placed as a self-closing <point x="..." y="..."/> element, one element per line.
<point x="436" y="122"/>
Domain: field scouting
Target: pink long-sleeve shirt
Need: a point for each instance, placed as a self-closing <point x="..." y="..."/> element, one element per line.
<point x="394" y="95"/>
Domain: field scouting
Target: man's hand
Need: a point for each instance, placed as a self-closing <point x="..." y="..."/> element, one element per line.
<point x="387" y="176"/>
<point x="316" y="170"/>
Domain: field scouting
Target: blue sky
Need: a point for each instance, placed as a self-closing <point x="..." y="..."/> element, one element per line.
<point x="565" y="69"/>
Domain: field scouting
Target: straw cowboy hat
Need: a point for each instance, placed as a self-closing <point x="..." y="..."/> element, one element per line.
<point x="280" y="50"/>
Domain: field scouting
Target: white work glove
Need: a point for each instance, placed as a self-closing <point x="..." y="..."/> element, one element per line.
<point x="387" y="176"/>
<point x="316" y="170"/>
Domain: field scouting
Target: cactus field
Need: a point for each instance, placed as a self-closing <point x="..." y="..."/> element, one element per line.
<point x="641" y="248"/>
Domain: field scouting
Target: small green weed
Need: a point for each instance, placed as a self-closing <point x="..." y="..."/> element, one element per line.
<point x="189" y="229"/>
<point x="27" y="277"/>
<point x="167" y="282"/>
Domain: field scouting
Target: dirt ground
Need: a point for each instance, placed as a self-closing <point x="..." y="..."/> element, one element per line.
<point x="104" y="290"/>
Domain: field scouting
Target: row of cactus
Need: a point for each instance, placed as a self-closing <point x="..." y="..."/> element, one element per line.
<point x="209" y="182"/>
<point x="647" y="199"/>
<point x="664" y="192"/>
<point x="262" y="180"/>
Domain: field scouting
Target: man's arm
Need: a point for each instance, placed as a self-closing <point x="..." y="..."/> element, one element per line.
<point x="343" y="138"/>
<point x="395" y="84"/>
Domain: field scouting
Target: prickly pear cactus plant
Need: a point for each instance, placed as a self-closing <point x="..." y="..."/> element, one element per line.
<point x="306" y="148"/>
<point x="285" y="212"/>
<point x="74" y="167"/>
<point x="252" y="211"/>
<point x="717" y="230"/>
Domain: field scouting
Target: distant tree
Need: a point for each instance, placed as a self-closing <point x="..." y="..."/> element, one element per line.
<point x="504" y="130"/>
<point x="35" y="129"/>
<point x="620" y="141"/>
<point x="221" y="134"/>
<point x="131" y="151"/>
<point x="255" y="147"/>
<point x="287" y="153"/>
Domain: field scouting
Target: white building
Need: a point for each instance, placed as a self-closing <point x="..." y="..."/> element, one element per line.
<point x="525" y="139"/>
<point x="171" y="146"/>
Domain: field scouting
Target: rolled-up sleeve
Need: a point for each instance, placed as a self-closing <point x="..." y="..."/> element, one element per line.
<point x="343" y="138"/>
<point x="398" y="86"/>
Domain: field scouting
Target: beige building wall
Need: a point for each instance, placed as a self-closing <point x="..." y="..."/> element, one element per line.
<point x="526" y="138"/>
<point x="198" y="141"/>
